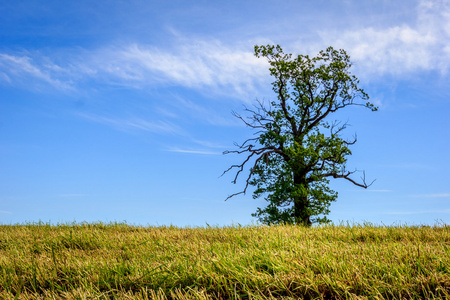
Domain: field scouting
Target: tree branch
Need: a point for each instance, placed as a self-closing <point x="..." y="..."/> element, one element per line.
<point x="283" y="105"/>
<point x="346" y="176"/>
<point x="262" y="153"/>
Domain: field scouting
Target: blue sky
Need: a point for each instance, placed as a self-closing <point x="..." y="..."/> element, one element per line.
<point x="120" y="110"/>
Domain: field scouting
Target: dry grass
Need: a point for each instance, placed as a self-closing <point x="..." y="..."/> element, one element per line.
<point x="117" y="261"/>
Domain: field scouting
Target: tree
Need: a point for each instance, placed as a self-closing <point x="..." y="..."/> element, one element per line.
<point x="297" y="149"/>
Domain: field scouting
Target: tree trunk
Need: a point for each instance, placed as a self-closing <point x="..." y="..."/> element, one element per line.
<point x="301" y="203"/>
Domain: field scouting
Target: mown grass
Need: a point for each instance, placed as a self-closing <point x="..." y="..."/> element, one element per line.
<point x="118" y="261"/>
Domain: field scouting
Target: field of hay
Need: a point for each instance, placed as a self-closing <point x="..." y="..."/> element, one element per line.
<point x="119" y="261"/>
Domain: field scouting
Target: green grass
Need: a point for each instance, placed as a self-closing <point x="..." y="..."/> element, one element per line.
<point x="118" y="261"/>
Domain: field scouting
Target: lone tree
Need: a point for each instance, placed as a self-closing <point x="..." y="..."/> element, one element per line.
<point x="296" y="148"/>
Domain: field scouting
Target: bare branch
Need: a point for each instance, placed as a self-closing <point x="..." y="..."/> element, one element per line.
<point x="283" y="105"/>
<point x="346" y="176"/>
<point x="353" y="142"/>
<point x="241" y="167"/>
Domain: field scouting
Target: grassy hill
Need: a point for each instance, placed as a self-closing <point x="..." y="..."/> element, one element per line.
<point x="118" y="261"/>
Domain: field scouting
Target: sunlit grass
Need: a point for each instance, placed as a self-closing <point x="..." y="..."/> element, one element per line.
<point x="106" y="261"/>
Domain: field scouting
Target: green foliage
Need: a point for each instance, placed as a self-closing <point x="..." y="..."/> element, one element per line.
<point x="298" y="149"/>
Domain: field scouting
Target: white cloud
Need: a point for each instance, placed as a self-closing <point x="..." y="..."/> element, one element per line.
<point x="204" y="152"/>
<point x="5" y="77"/>
<point x="403" y="48"/>
<point x="24" y="69"/>
<point x="194" y="63"/>
<point x="134" y="123"/>
<point x="215" y="66"/>
<point x="5" y="212"/>
<point x="204" y="113"/>
<point x="208" y="144"/>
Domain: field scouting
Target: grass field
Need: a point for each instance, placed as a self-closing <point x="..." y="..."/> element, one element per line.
<point x="118" y="261"/>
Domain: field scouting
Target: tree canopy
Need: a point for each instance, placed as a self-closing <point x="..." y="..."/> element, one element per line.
<point x="296" y="148"/>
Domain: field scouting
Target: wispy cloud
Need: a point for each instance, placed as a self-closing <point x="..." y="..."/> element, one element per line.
<point x="404" y="48"/>
<point x="24" y="69"/>
<point x="198" y="147"/>
<point x="196" y="63"/>
<point x="193" y="63"/>
<point x="228" y="66"/>
<point x="208" y="144"/>
<point x="5" y="212"/>
<point x="135" y="123"/>
<point x="203" y="152"/>
<point x="204" y="113"/>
